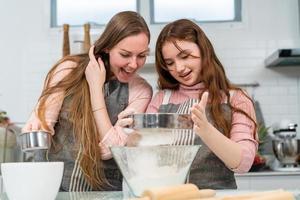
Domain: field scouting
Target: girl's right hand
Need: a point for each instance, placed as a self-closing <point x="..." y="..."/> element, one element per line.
<point x="95" y="71"/>
<point x="198" y="115"/>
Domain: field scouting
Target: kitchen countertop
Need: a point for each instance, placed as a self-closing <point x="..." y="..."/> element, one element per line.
<point x="119" y="195"/>
<point x="269" y="173"/>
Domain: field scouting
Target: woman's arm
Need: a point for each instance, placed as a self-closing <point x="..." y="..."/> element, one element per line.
<point x="95" y="74"/>
<point x="53" y="103"/>
<point x="235" y="152"/>
<point x="140" y="94"/>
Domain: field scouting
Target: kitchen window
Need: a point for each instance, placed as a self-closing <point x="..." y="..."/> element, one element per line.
<point x="99" y="12"/>
<point x="164" y="11"/>
<point x="95" y="12"/>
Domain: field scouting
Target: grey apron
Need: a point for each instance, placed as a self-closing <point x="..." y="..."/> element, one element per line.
<point x="65" y="148"/>
<point x="207" y="170"/>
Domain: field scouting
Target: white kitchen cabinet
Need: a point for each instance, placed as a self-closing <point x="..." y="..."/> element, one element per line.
<point x="1" y="185"/>
<point x="268" y="180"/>
<point x="258" y="181"/>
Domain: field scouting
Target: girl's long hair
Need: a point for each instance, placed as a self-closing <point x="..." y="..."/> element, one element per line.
<point x="212" y="73"/>
<point x="76" y="89"/>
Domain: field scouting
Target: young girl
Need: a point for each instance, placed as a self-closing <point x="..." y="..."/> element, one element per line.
<point x="81" y="100"/>
<point x="224" y="119"/>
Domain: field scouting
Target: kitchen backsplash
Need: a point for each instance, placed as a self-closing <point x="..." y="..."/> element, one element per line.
<point x="241" y="47"/>
<point x="278" y="93"/>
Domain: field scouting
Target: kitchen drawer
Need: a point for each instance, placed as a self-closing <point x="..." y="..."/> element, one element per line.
<point x="265" y="181"/>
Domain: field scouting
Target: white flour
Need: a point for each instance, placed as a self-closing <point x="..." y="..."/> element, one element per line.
<point x="147" y="170"/>
<point x="139" y="183"/>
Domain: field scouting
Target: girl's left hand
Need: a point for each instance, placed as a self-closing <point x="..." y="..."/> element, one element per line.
<point x="95" y="72"/>
<point x="199" y="115"/>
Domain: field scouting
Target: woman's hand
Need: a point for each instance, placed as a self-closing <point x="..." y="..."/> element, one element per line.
<point x="95" y="72"/>
<point x="123" y="118"/>
<point x="133" y="139"/>
<point x="36" y="125"/>
<point x="199" y="116"/>
<point x="124" y="121"/>
<point x="32" y="126"/>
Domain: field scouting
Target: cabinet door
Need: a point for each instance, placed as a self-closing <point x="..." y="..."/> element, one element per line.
<point x="275" y="182"/>
<point x="288" y="182"/>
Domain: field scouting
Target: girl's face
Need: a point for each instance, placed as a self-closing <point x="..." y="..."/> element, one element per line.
<point x="183" y="62"/>
<point x="128" y="56"/>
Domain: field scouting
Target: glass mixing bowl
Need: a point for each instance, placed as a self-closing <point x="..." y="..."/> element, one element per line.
<point x="145" y="167"/>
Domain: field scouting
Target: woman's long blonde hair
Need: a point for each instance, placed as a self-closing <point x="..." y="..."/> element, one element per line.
<point x="76" y="89"/>
<point x="212" y="73"/>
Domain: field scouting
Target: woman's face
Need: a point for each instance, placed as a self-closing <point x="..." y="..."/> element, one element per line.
<point x="183" y="63"/>
<point x="128" y="56"/>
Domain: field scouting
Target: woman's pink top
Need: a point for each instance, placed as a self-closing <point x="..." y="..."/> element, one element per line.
<point x="242" y="127"/>
<point x="140" y="94"/>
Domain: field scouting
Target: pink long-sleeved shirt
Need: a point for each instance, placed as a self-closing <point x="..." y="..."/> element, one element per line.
<point x="140" y="94"/>
<point x="242" y="127"/>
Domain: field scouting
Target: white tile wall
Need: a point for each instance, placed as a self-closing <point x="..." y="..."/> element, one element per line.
<point x="278" y="93"/>
<point x="29" y="48"/>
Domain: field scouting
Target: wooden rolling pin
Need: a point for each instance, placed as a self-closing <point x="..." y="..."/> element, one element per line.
<point x="180" y="192"/>
<point x="284" y="195"/>
<point x="273" y="194"/>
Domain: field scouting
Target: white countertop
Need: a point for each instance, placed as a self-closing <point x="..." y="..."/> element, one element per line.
<point x="119" y="195"/>
<point x="269" y="173"/>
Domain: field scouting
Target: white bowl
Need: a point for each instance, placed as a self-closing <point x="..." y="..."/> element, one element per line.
<point x="32" y="180"/>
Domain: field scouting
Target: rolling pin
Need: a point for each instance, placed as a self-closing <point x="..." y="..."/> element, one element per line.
<point x="180" y="192"/>
<point x="284" y="195"/>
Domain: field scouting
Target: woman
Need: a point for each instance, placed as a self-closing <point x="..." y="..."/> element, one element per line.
<point x="189" y="70"/>
<point x="81" y="100"/>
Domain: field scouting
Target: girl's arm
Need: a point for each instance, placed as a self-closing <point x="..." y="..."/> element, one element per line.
<point x="238" y="151"/>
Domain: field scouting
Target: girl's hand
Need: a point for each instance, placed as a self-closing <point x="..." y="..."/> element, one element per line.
<point x="95" y="72"/>
<point x="199" y="116"/>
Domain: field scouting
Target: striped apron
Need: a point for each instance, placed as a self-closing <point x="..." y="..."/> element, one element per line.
<point x="207" y="170"/>
<point x="65" y="148"/>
